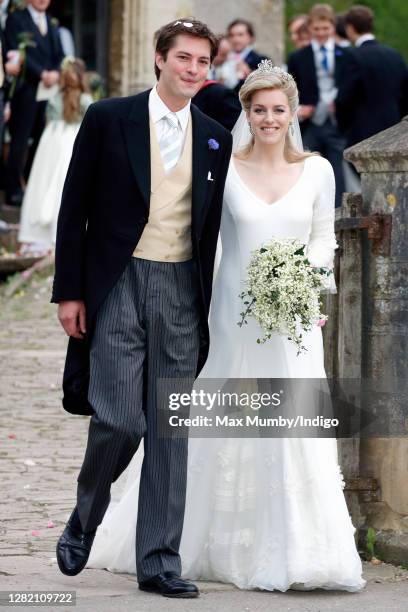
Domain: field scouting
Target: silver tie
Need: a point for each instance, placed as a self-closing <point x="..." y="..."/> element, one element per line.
<point x="171" y="142"/>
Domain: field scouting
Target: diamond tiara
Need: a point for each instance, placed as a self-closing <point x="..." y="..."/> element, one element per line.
<point x="267" y="67"/>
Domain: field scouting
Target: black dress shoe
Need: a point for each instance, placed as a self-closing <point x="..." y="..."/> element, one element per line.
<point x="169" y="584"/>
<point x="74" y="546"/>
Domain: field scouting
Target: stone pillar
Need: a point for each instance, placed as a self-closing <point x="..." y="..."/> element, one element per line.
<point x="133" y="23"/>
<point x="382" y="161"/>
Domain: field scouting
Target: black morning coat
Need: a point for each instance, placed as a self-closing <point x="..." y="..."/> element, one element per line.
<point x="105" y="207"/>
<point x="373" y="92"/>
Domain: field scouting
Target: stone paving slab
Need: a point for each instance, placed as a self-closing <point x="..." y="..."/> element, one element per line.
<point x="41" y="451"/>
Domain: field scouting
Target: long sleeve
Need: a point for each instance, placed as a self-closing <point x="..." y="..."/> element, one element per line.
<point x="322" y="239"/>
<point x="77" y="198"/>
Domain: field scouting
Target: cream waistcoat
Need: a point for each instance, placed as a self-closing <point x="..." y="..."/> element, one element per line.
<point x="167" y="235"/>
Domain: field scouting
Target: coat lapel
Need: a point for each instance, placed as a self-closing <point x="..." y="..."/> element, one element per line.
<point x="311" y="66"/>
<point x="136" y="133"/>
<point x="338" y="62"/>
<point x="201" y="165"/>
<point x="32" y="27"/>
<point x="53" y="32"/>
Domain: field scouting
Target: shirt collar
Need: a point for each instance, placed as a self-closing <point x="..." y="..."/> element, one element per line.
<point x="363" y="38"/>
<point x="246" y="51"/>
<point x="158" y="109"/>
<point x="329" y="44"/>
<point x="34" y="13"/>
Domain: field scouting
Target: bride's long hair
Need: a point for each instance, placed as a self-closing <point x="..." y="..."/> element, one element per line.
<point x="259" y="79"/>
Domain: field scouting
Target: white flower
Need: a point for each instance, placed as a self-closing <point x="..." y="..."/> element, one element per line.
<point x="282" y="291"/>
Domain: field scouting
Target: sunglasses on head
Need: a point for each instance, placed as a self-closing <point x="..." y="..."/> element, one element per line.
<point x="186" y="24"/>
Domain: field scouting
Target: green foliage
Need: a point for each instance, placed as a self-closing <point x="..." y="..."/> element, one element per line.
<point x="370" y="541"/>
<point x="390" y="22"/>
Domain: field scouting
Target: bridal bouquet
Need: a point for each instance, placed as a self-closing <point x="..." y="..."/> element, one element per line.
<point x="282" y="291"/>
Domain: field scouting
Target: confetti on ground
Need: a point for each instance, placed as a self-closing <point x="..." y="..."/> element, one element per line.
<point x="29" y="462"/>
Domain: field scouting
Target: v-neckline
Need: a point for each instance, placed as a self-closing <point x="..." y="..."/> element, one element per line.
<point x="269" y="204"/>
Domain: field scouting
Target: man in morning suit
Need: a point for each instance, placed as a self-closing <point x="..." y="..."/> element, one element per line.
<point x="136" y="241"/>
<point x="42" y="65"/>
<point x="316" y="70"/>
<point x="373" y="93"/>
<point x="241" y="35"/>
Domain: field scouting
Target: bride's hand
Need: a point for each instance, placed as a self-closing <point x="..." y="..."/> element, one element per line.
<point x="71" y="315"/>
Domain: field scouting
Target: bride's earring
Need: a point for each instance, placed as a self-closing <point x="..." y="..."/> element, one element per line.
<point x="250" y="128"/>
<point x="292" y="129"/>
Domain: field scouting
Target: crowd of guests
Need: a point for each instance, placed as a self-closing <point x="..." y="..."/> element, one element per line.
<point x="46" y="96"/>
<point x="351" y="87"/>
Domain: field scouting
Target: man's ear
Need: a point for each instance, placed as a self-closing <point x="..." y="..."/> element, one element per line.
<point x="158" y="58"/>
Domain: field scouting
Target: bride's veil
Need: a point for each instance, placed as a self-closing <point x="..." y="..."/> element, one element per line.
<point x="241" y="135"/>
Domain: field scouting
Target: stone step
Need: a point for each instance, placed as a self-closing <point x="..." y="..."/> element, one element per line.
<point x="13" y="264"/>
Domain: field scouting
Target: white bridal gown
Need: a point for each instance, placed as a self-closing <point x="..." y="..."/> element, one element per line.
<point x="42" y="198"/>
<point x="260" y="513"/>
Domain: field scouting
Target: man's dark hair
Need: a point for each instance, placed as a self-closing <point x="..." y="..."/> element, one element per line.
<point x="361" y="18"/>
<point x="247" y="24"/>
<point x="341" y="25"/>
<point x="166" y="37"/>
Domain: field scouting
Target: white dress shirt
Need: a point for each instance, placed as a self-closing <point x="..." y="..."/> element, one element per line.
<point x="318" y="54"/>
<point x="37" y="17"/>
<point x="363" y="38"/>
<point x="325" y="81"/>
<point x="158" y="110"/>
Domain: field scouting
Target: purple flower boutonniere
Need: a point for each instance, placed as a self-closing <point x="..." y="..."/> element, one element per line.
<point x="213" y="144"/>
<point x="338" y="53"/>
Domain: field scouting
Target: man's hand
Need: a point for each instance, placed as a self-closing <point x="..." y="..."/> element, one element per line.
<point x="305" y="111"/>
<point x="7" y="112"/>
<point x="71" y="315"/>
<point x="243" y="70"/>
<point x="12" y="69"/>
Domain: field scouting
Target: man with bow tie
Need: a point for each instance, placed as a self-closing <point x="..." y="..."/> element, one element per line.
<point x="136" y="242"/>
<point x="42" y="64"/>
<point x="316" y="70"/>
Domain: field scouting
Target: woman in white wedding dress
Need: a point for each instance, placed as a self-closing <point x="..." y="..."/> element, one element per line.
<point x="260" y="513"/>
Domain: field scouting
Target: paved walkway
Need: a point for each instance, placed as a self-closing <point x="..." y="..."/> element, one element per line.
<point x="41" y="451"/>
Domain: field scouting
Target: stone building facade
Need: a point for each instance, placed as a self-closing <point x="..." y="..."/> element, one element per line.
<point x="132" y="24"/>
<point x="115" y="37"/>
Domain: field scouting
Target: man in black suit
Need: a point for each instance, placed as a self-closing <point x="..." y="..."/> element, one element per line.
<point x="218" y="102"/>
<point x="134" y="259"/>
<point x="241" y="35"/>
<point x="42" y="65"/>
<point x="316" y="69"/>
<point x="373" y="93"/>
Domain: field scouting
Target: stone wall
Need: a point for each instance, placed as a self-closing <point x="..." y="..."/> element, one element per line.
<point x="133" y="23"/>
<point x="382" y="161"/>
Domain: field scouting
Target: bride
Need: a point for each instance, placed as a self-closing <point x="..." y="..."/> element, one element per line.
<point x="260" y="513"/>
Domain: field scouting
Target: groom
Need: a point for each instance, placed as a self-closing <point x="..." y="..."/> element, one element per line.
<point x="136" y="242"/>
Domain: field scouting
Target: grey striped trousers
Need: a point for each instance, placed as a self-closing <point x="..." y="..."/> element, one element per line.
<point x="147" y="328"/>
